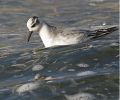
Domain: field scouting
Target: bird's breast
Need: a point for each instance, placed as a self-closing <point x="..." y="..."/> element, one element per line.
<point x="46" y="36"/>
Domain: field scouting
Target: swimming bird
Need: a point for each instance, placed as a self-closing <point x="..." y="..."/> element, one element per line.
<point x="54" y="36"/>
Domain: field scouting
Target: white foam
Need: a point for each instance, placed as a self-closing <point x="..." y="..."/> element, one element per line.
<point x="37" y="76"/>
<point x="37" y="67"/>
<point x="80" y="96"/>
<point x="82" y="65"/>
<point x="27" y="87"/>
<point x="85" y="73"/>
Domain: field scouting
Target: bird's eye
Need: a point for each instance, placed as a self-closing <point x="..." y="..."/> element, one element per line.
<point x="33" y="25"/>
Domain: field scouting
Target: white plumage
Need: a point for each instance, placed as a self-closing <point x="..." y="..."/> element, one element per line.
<point x="53" y="36"/>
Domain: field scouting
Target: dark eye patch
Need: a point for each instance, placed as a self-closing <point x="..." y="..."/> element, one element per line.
<point x="33" y="25"/>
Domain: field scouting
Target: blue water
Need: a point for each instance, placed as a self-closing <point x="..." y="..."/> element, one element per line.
<point x="87" y="71"/>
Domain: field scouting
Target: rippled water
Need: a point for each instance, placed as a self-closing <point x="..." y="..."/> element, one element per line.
<point x="87" y="71"/>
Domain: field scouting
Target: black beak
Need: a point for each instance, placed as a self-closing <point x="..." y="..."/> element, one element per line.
<point x="30" y="33"/>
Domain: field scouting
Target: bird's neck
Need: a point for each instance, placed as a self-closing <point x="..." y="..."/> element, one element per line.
<point x="46" y="35"/>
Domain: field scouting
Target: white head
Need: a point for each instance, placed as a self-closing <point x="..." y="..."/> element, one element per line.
<point x="33" y="25"/>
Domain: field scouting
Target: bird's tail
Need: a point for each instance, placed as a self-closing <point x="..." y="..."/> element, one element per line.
<point x="104" y="31"/>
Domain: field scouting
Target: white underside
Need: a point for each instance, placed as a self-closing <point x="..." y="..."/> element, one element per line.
<point x="54" y="40"/>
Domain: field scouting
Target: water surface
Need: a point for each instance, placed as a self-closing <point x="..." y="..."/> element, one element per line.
<point x="87" y="71"/>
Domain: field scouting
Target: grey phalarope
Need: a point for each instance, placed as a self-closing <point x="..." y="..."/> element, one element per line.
<point x="53" y="36"/>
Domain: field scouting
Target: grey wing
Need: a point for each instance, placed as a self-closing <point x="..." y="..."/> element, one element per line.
<point x="83" y="35"/>
<point x="93" y="34"/>
<point x="101" y="32"/>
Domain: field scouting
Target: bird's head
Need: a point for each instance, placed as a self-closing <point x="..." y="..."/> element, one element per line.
<point x="33" y="25"/>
